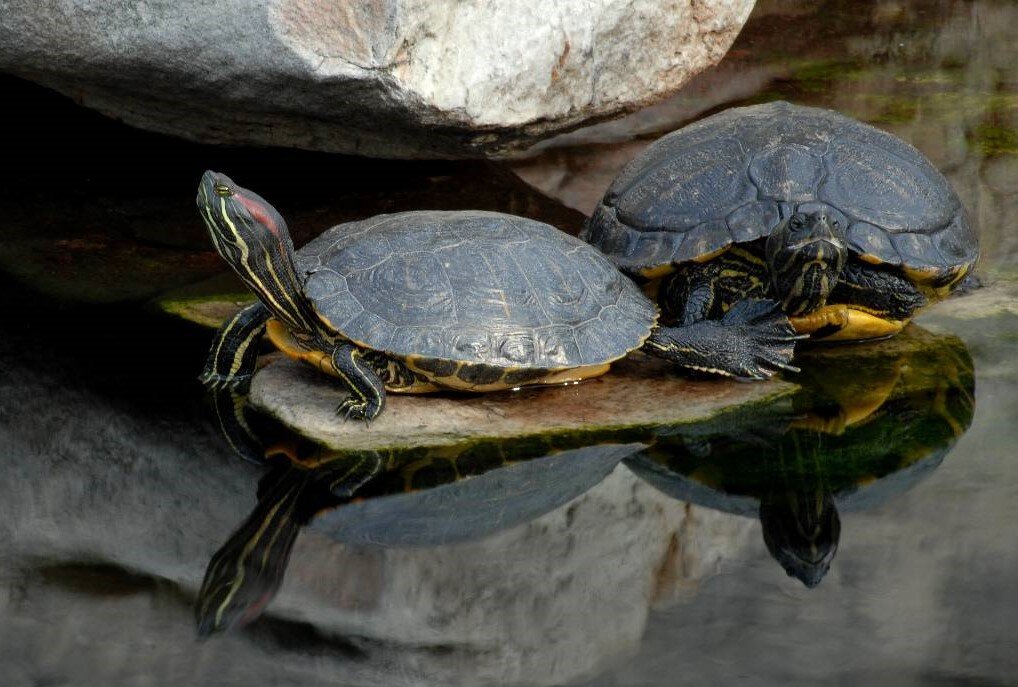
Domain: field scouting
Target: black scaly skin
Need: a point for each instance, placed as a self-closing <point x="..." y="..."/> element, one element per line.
<point x="877" y="290"/>
<point x="367" y="392"/>
<point x="753" y="340"/>
<point x="227" y="376"/>
<point x="703" y="290"/>
<point x="231" y="360"/>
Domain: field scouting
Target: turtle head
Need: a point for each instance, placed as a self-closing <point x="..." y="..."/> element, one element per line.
<point x="801" y="531"/>
<point x="252" y="237"/>
<point x="805" y="254"/>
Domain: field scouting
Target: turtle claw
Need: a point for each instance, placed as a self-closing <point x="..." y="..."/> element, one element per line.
<point x="766" y="337"/>
<point x="216" y="382"/>
<point x="351" y="408"/>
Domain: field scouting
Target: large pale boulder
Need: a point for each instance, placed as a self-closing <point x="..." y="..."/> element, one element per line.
<point x="394" y="78"/>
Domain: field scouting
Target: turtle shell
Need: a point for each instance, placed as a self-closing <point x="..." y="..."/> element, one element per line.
<point x="475" y="287"/>
<point x="731" y="177"/>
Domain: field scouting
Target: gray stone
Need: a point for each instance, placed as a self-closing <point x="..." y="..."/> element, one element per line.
<point x="637" y="393"/>
<point x="108" y="517"/>
<point x="399" y="78"/>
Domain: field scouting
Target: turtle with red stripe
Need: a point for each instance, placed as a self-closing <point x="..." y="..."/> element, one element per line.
<point x="416" y="302"/>
<point x="848" y="227"/>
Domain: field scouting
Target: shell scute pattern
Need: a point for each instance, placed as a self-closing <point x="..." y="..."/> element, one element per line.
<point x="866" y="239"/>
<point x="557" y="345"/>
<point x="752" y="220"/>
<point x="696" y="187"/>
<point x="875" y="186"/>
<point x="897" y="208"/>
<point x="484" y="288"/>
<point x="787" y="172"/>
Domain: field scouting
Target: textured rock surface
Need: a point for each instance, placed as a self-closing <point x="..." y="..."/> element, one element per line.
<point x="108" y="517"/>
<point x="636" y="393"/>
<point x="395" y="78"/>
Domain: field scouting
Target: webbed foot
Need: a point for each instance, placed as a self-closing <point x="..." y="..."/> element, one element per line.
<point x="762" y="339"/>
<point x="754" y="340"/>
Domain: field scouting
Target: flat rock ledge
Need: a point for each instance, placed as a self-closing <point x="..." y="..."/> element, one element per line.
<point x="394" y="78"/>
<point x="637" y="393"/>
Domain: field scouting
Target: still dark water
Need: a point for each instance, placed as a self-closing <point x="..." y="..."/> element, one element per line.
<point x="859" y="531"/>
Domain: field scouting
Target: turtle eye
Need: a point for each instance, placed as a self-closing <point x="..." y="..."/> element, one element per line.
<point x="795" y="223"/>
<point x="222" y="190"/>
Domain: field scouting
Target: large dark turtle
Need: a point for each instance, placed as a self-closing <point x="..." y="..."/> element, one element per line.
<point x="848" y="227"/>
<point x="421" y="301"/>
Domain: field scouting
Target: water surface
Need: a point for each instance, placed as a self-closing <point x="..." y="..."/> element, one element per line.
<point x="665" y="560"/>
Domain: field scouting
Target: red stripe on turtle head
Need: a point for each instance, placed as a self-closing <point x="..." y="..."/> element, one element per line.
<point x="261" y="212"/>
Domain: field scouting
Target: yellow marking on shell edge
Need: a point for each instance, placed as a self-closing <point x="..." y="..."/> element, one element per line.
<point x="710" y="256"/>
<point x="573" y="374"/>
<point x="281" y="338"/>
<point x="657" y="272"/>
<point x="853" y="324"/>
<point x="922" y="277"/>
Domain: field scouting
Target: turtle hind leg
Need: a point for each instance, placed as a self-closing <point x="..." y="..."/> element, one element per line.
<point x="231" y="360"/>
<point x="367" y="391"/>
<point x="753" y="340"/>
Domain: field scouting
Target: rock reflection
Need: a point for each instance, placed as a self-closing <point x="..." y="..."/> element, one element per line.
<point x="869" y="422"/>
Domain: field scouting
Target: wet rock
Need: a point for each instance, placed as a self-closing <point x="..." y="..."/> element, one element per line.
<point x="638" y="393"/>
<point x="998" y="297"/>
<point x="609" y="554"/>
<point x="923" y="586"/>
<point x="401" y="78"/>
<point x="209" y="303"/>
<point x="984" y="319"/>
<point x="108" y="515"/>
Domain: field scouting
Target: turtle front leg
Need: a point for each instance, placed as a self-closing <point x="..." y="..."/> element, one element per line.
<point x="231" y="360"/>
<point x="367" y="392"/>
<point x="753" y="340"/>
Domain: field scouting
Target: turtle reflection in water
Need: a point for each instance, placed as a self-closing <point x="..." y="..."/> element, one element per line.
<point x="415" y="497"/>
<point x="869" y="423"/>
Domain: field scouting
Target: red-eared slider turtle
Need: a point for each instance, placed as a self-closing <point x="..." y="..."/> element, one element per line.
<point x="848" y="227"/>
<point x="421" y="301"/>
